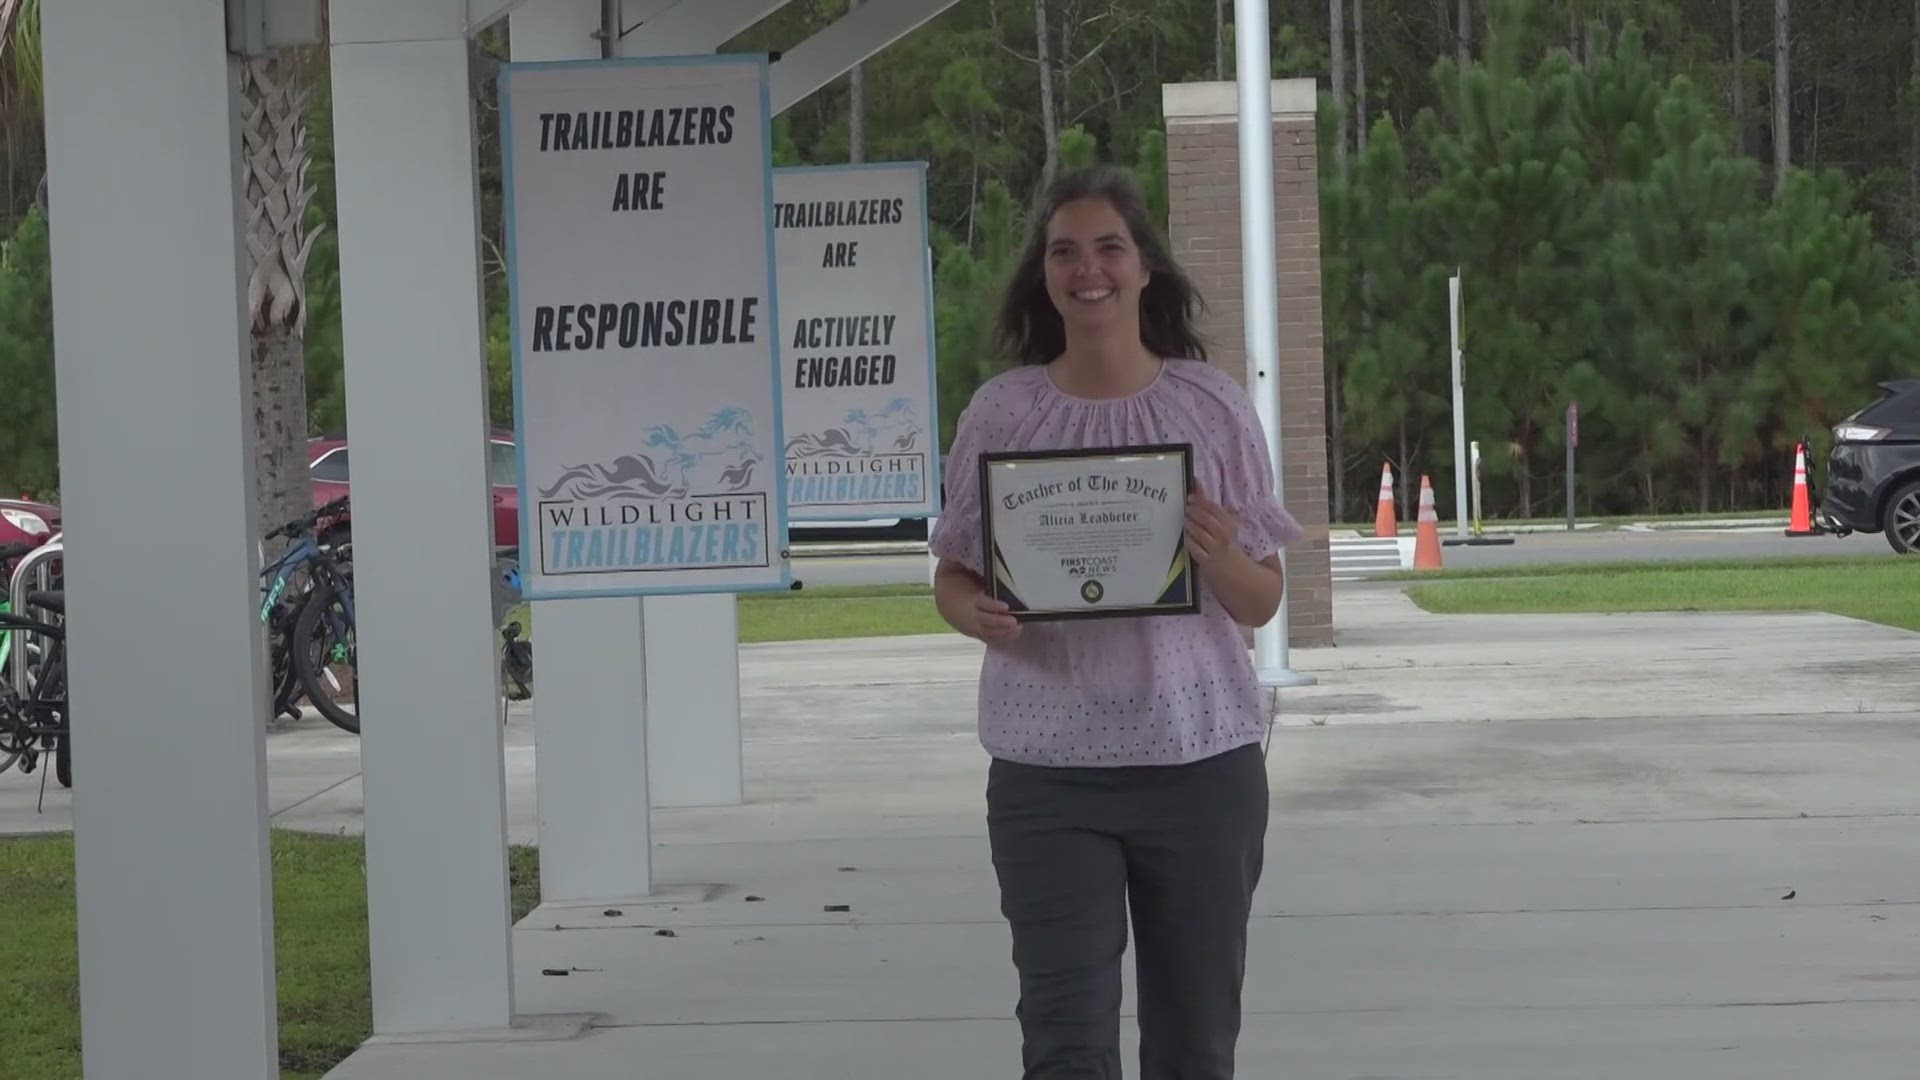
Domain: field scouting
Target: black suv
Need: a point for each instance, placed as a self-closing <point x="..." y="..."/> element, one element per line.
<point x="1873" y="475"/>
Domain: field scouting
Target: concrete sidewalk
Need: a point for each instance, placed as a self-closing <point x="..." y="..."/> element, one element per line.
<point x="1527" y="847"/>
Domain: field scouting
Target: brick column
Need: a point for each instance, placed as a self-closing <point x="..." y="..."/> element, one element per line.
<point x="1203" y="182"/>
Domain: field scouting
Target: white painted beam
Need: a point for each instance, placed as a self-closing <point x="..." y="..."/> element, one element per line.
<point x="432" y="759"/>
<point x="555" y="30"/>
<point x="590" y="727"/>
<point x="360" y="22"/>
<point x="484" y="13"/>
<point x="171" y="863"/>
<point x="853" y="38"/>
<point x="701" y="26"/>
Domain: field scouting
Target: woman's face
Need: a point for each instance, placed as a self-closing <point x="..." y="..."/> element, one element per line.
<point x="1094" y="271"/>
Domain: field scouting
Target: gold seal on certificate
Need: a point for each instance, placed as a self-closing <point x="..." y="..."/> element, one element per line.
<point x="1076" y="534"/>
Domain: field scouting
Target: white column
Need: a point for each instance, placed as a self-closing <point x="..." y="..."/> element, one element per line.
<point x="692" y="654"/>
<point x="431" y="751"/>
<point x="172" y="873"/>
<point x="590" y="715"/>
<point x="693" y="700"/>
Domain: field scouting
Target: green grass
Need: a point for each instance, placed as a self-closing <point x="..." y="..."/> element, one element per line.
<point x="840" y="612"/>
<point x="320" y="945"/>
<point x="1881" y="589"/>
<point x="822" y="612"/>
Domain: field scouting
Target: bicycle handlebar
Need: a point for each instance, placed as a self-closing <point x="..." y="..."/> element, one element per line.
<point x="308" y="522"/>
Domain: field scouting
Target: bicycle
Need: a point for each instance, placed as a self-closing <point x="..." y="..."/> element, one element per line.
<point x="305" y="637"/>
<point x="35" y="724"/>
<point x="516" y="653"/>
<point x="10" y="555"/>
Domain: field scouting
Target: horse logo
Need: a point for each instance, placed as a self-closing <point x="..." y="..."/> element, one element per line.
<point x="721" y="453"/>
<point x="892" y="429"/>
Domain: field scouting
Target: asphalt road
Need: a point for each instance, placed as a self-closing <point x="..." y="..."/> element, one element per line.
<point x="863" y="570"/>
<point x="1551" y="547"/>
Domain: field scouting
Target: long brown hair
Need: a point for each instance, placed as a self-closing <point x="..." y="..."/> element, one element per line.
<point x="1029" y="326"/>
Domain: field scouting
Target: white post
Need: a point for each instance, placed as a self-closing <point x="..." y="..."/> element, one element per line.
<point x="1254" y="72"/>
<point x="1473" y="452"/>
<point x="1459" y="409"/>
<point x="692" y="664"/>
<point x="167" y="668"/>
<point x="590" y="715"/>
<point x="431" y="752"/>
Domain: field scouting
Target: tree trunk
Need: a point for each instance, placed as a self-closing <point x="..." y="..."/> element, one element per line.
<point x="1359" y="74"/>
<point x="276" y="157"/>
<point x="1782" y="86"/>
<point x="1704" y="473"/>
<point x="1337" y="435"/>
<point x="1049" y="113"/>
<point x="1220" y="40"/>
<point x="857" y="108"/>
<point x="1739" y="78"/>
<point x="1337" y="16"/>
<point x="1463" y="37"/>
<point x="1405" y="502"/>
<point x="281" y="483"/>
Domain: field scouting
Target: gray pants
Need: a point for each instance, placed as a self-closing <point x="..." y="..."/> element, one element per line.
<point x="1074" y="848"/>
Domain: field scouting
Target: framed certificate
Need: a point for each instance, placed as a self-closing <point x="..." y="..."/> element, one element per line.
<point x="1080" y="534"/>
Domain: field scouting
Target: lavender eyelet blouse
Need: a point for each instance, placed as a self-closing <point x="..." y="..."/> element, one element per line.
<point x="1159" y="690"/>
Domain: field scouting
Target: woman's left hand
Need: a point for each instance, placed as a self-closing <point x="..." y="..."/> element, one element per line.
<point x="1211" y="529"/>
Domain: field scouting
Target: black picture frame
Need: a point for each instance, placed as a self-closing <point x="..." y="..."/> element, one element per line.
<point x="1181" y="595"/>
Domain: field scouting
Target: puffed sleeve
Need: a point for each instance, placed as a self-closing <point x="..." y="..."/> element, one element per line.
<point x="1265" y="525"/>
<point x="956" y="535"/>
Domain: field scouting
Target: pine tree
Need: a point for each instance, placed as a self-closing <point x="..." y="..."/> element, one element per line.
<point x="1515" y="208"/>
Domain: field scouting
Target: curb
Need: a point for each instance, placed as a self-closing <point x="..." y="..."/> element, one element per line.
<point x="868" y="547"/>
<point x="1709" y="525"/>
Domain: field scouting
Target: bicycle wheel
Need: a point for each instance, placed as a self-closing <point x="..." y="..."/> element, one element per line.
<point x="13" y="717"/>
<point x="10" y="719"/>
<point x="324" y="657"/>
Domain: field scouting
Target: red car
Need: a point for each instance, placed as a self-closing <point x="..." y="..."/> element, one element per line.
<point x="329" y="465"/>
<point x="24" y="521"/>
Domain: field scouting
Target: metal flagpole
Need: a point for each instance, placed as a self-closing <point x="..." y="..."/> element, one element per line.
<point x="1459" y="409"/>
<point x="1255" y="76"/>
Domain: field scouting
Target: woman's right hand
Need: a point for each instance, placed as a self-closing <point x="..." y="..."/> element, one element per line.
<point x="991" y="621"/>
<point x="967" y="606"/>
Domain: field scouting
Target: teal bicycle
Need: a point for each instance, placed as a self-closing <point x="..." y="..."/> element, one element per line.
<point x="9" y="555"/>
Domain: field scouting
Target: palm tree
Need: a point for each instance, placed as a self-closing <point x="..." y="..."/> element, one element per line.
<point x="22" y="157"/>
<point x="276" y="156"/>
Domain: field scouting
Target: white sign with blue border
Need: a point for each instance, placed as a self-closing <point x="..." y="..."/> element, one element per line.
<point x="857" y="341"/>
<point x="646" y="350"/>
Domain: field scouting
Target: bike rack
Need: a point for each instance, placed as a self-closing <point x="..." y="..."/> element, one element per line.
<point x="33" y="573"/>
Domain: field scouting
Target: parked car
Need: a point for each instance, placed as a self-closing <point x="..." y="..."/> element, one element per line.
<point x="26" y="521"/>
<point x="329" y="463"/>
<point x="1873" y="473"/>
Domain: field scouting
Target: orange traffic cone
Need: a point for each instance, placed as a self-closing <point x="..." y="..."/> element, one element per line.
<point x="1802" y="523"/>
<point x="1386" y="521"/>
<point x="1426" y="544"/>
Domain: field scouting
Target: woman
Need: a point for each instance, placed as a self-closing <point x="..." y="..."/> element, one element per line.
<point x="1126" y="768"/>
